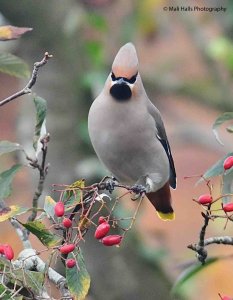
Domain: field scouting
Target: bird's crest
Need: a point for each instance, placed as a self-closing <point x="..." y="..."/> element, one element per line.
<point x="125" y="63"/>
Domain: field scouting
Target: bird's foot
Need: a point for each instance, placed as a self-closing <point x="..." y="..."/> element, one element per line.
<point x="139" y="190"/>
<point x="110" y="184"/>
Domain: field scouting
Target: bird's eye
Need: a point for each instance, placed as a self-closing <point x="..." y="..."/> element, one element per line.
<point x="132" y="79"/>
<point x="113" y="77"/>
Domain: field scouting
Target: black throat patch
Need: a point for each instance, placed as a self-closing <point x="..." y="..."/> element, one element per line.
<point x="121" y="92"/>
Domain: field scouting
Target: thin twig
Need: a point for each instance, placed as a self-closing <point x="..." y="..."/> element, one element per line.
<point x="32" y="81"/>
<point x="223" y="240"/>
<point x="43" y="169"/>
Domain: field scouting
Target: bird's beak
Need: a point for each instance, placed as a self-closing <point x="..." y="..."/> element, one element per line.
<point x="121" y="81"/>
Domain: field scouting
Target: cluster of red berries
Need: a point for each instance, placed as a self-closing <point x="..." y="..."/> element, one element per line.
<point x="66" y="249"/>
<point x="206" y="199"/>
<point x="59" y="211"/>
<point x="7" y="251"/>
<point x="101" y="234"/>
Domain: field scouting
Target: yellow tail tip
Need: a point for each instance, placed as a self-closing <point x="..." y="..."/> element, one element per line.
<point x="167" y="216"/>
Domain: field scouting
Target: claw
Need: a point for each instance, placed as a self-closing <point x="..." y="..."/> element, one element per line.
<point x="138" y="189"/>
<point x="110" y="184"/>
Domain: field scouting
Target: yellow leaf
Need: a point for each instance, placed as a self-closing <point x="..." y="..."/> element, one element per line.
<point x="9" y="32"/>
<point x="11" y="211"/>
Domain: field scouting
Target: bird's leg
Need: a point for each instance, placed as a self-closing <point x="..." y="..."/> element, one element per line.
<point x="139" y="190"/>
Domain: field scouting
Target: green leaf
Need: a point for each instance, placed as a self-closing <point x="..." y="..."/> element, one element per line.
<point x="78" y="279"/>
<point x="46" y="237"/>
<point x="6" y="147"/>
<point x="5" y="295"/>
<point x="41" y="109"/>
<point x="219" y="121"/>
<point x="31" y="279"/>
<point x="227" y="187"/>
<point x="49" y="205"/>
<point x="13" y="65"/>
<point x="11" y="211"/>
<point x="217" y="169"/>
<point x="189" y="273"/>
<point x="6" y="178"/>
<point x="73" y="195"/>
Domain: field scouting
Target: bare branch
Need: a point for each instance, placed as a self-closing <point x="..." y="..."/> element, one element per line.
<point x="32" y="81"/>
<point x="43" y="169"/>
<point x="29" y="260"/>
<point x="223" y="240"/>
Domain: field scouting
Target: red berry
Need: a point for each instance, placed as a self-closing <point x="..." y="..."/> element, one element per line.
<point x="59" y="209"/>
<point x="228" y="207"/>
<point x="70" y="263"/>
<point x="65" y="249"/>
<point x="102" y="230"/>
<point x="226" y="298"/>
<point x="8" y="252"/>
<point x="228" y="162"/>
<point x="2" y="249"/>
<point x="67" y="223"/>
<point x="112" y="240"/>
<point x="205" y="199"/>
<point x="101" y="220"/>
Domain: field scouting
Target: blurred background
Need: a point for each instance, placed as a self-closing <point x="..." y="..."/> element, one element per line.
<point x="186" y="62"/>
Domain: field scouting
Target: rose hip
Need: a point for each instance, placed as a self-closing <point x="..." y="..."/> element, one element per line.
<point x="102" y="230"/>
<point x="59" y="209"/>
<point x="67" y="223"/>
<point x="228" y="207"/>
<point x="112" y="240"/>
<point x="228" y="163"/>
<point x="70" y="263"/>
<point x="8" y="252"/>
<point x="65" y="249"/>
<point x="205" y="199"/>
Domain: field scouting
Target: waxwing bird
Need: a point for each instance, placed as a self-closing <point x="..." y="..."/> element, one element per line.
<point x="128" y="134"/>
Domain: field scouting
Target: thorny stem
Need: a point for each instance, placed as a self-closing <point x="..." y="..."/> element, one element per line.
<point x="32" y="81"/>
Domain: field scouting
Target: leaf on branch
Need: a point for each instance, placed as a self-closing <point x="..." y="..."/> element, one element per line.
<point x="32" y="280"/>
<point x="73" y="194"/>
<point x="13" y="65"/>
<point x="49" y="205"/>
<point x="227" y="187"/>
<point x="6" y="178"/>
<point x="5" y="294"/>
<point x="189" y="273"/>
<point x="6" y="147"/>
<point x="46" y="237"/>
<point x="219" y="121"/>
<point x="9" y="32"/>
<point x="11" y="211"/>
<point x="40" y="129"/>
<point x="78" y="279"/>
<point x="217" y="169"/>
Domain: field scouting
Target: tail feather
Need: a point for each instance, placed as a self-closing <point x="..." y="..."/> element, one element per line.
<point x="161" y="200"/>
